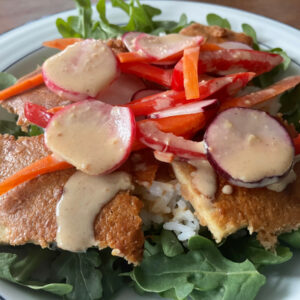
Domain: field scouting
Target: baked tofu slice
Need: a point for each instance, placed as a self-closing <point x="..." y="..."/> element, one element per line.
<point x="260" y="210"/>
<point x="216" y="34"/>
<point x="28" y="212"/>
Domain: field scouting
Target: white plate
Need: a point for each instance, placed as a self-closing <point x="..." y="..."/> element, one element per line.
<point x="21" y="51"/>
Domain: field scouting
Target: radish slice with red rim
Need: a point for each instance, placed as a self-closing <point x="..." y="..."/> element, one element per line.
<point x="249" y="147"/>
<point x="144" y="93"/>
<point x="122" y="90"/>
<point x="160" y="47"/>
<point x="81" y="71"/>
<point x="129" y="38"/>
<point x="149" y="134"/>
<point x="93" y="136"/>
<point x="186" y="109"/>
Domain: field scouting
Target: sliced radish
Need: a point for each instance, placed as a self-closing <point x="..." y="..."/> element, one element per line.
<point x="93" y="136"/>
<point x="235" y="45"/>
<point x="186" y="109"/>
<point x="249" y="147"/>
<point x="129" y="39"/>
<point x="149" y="134"/>
<point x="122" y="90"/>
<point x="160" y="47"/>
<point x="81" y="71"/>
<point x="144" y="93"/>
<point x="164" y="156"/>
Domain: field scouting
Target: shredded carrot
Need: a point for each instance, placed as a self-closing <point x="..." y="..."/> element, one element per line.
<point x="55" y="109"/>
<point x="22" y="86"/>
<point x="263" y="95"/>
<point x="128" y="57"/>
<point x="61" y="44"/>
<point x="45" y="165"/>
<point x="210" y="47"/>
<point x="190" y="72"/>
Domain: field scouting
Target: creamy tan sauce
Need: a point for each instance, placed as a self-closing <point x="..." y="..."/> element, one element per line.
<point x="227" y="189"/>
<point x="85" y="67"/>
<point x="83" y="197"/>
<point x="259" y="150"/>
<point x="83" y="138"/>
<point x="283" y="182"/>
<point x="204" y="177"/>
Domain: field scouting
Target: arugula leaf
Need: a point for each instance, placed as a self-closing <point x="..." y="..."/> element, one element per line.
<point x="249" y="30"/>
<point x="292" y="239"/>
<point x="10" y="127"/>
<point x="19" y="267"/>
<point x="290" y="106"/>
<point x="214" y="19"/>
<point x="201" y="268"/>
<point x="81" y="271"/>
<point x="140" y="19"/>
<point x="6" y="80"/>
<point x="35" y="130"/>
<point x="170" y="244"/>
<point x="249" y="248"/>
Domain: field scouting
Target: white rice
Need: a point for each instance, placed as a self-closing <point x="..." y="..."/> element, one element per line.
<point x="163" y="204"/>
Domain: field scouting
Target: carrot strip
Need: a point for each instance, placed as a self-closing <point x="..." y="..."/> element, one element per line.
<point x="190" y="72"/>
<point x="22" y="86"/>
<point x="61" y="44"/>
<point x="128" y="57"/>
<point x="210" y="47"/>
<point x="45" y="165"/>
<point x="262" y="95"/>
<point x="55" y="109"/>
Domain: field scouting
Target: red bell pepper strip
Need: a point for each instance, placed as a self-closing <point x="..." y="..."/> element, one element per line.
<point x="297" y="144"/>
<point x="226" y="61"/>
<point x="262" y="95"/>
<point x="171" y="98"/>
<point x="149" y="72"/>
<point x="37" y="114"/>
<point x="230" y="90"/>
<point x="190" y="72"/>
<point x="185" y="125"/>
<point x="177" y="77"/>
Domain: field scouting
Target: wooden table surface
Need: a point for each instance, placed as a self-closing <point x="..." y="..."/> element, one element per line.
<point x="14" y="13"/>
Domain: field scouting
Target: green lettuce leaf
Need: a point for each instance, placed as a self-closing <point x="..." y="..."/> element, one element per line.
<point x="201" y="271"/>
